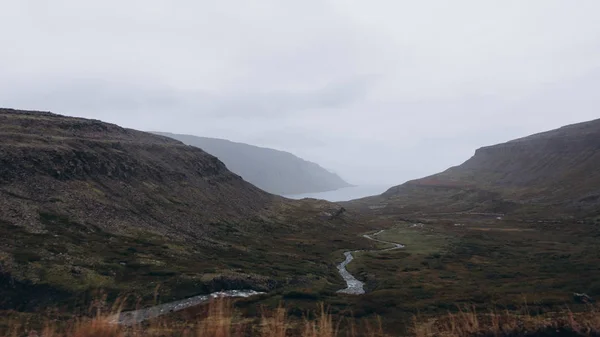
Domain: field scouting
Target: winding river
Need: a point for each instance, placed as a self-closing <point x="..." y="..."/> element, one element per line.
<point x="138" y="316"/>
<point x="353" y="287"/>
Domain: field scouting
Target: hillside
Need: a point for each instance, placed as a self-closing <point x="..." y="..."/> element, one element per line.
<point x="86" y="205"/>
<point x="518" y="222"/>
<point x="274" y="171"/>
<point x="551" y="173"/>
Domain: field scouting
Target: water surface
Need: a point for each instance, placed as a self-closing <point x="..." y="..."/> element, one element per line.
<point x="344" y="194"/>
<point x="138" y="316"/>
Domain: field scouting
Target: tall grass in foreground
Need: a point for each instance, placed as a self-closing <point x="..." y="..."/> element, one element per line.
<point x="468" y="322"/>
<point x="219" y="320"/>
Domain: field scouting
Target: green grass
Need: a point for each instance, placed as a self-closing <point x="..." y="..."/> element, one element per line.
<point x="417" y="240"/>
<point x="76" y="259"/>
<point x="423" y="249"/>
<point x="485" y="262"/>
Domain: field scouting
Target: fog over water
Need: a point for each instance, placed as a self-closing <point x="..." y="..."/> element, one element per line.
<point x="344" y="194"/>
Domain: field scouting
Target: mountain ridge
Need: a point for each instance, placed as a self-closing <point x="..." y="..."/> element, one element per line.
<point x="275" y="171"/>
<point x="551" y="172"/>
<point x="77" y="149"/>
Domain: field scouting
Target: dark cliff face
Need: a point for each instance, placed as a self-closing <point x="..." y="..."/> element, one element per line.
<point x="555" y="171"/>
<point x="55" y="164"/>
<point x="274" y="171"/>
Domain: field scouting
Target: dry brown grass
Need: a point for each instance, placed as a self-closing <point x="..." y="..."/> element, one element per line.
<point x="323" y="326"/>
<point x="468" y="322"/>
<point x="220" y="320"/>
<point x="274" y="324"/>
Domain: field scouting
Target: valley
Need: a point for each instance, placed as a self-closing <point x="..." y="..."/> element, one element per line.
<point x="480" y="264"/>
<point x="89" y="209"/>
<point x="299" y="168"/>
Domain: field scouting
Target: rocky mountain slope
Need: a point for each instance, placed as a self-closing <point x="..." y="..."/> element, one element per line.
<point x="106" y="171"/>
<point x="86" y="205"/>
<point x="274" y="171"/>
<point x="551" y="173"/>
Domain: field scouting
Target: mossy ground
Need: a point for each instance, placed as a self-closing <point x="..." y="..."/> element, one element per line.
<point x="446" y="263"/>
<point x="483" y="263"/>
<point x="76" y="259"/>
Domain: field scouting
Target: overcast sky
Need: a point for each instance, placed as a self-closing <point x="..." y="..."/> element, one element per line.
<point x="377" y="91"/>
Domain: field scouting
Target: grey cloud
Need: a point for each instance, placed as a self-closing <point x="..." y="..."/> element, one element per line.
<point x="382" y="91"/>
<point x="96" y="95"/>
<point x="280" y="103"/>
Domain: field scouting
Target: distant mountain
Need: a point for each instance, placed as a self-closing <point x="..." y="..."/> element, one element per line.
<point x="274" y="171"/>
<point x="550" y="173"/>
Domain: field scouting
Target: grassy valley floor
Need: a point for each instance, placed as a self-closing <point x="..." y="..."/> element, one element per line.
<point x="473" y="263"/>
<point x="476" y="262"/>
